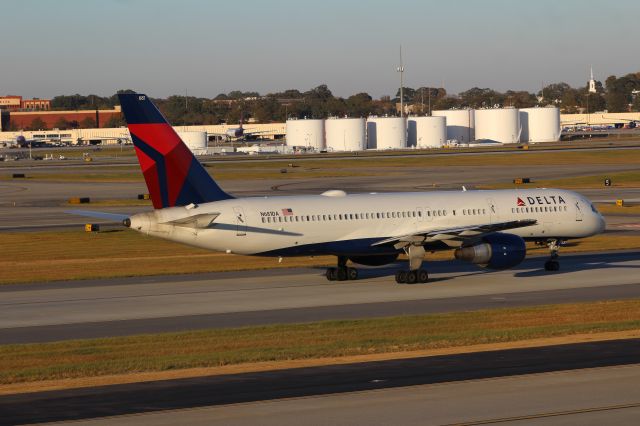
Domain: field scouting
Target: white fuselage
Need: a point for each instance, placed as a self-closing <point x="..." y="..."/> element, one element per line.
<point x="349" y="224"/>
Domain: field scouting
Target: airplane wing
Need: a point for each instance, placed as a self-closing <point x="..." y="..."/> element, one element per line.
<point x="454" y="236"/>
<point x="113" y="217"/>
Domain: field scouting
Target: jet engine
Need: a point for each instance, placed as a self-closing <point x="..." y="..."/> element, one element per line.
<point x="378" y="260"/>
<point x="496" y="251"/>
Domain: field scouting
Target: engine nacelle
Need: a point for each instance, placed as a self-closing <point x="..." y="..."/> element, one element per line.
<point x="378" y="260"/>
<point x="496" y="251"/>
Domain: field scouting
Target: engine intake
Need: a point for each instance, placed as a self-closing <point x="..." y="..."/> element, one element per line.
<point x="496" y="251"/>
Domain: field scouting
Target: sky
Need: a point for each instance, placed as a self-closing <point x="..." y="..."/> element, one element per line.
<point x="159" y="47"/>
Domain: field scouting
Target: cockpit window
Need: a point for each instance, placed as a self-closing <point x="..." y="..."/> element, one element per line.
<point x="593" y="208"/>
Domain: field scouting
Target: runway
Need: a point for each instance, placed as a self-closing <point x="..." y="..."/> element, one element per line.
<point x="126" y="306"/>
<point x="585" y="383"/>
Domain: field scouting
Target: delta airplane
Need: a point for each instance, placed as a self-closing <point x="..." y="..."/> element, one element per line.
<point x="487" y="228"/>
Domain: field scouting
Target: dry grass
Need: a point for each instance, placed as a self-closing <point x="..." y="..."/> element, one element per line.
<point x="118" y="202"/>
<point x="172" y="351"/>
<point x="612" y="209"/>
<point x="72" y="255"/>
<point x="629" y="179"/>
<point x="361" y="166"/>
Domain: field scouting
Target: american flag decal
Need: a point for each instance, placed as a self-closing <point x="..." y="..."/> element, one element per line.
<point x="287" y="212"/>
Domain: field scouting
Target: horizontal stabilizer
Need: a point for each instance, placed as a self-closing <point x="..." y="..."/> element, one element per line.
<point x="203" y="220"/>
<point x="113" y="217"/>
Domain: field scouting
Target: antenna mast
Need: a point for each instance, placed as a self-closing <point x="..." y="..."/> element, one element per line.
<point x="400" y="69"/>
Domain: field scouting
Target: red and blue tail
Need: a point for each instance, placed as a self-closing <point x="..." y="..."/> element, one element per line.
<point x="174" y="177"/>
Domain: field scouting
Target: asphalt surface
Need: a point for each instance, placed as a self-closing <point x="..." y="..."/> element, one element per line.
<point x="127" y="306"/>
<point x="429" y="390"/>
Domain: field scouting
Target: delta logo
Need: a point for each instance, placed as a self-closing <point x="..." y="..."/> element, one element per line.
<point x="540" y="201"/>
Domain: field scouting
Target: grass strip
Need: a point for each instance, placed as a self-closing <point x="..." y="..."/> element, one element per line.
<point x="210" y="348"/>
<point x="629" y="179"/>
<point x="363" y="166"/>
<point x="75" y="255"/>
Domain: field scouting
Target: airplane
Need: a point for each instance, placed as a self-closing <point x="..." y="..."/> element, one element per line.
<point x="22" y="142"/>
<point x="487" y="228"/>
<point x="236" y="132"/>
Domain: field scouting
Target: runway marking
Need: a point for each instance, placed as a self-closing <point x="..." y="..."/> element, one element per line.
<point x="549" y="414"/>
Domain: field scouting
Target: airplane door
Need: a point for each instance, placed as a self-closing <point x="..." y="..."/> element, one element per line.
<point x="579" y="213"/>
<point x="492" y="211"/>
<point x="241" y="222"/>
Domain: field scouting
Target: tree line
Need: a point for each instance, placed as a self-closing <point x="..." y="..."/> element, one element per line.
<point x="617" y="94"/>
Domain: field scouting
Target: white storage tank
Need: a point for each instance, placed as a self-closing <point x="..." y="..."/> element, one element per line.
<point x="540" y="124"/>
<point x="460" y="124"/>
<point x="306" y="133"/>
<point x="426" y="132"/>
<point x="195" y="141"/>
<point x="386" y="133"/>
<point x="345" y="134"/>
<point x="498" y="125"/>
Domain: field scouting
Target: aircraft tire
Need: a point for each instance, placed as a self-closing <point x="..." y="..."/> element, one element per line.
<point x="401" y="277"/>
<point x="342" y="274"/>
<point x="412" y="277"/>
<point x="352" y="273"/>
<point x="552" y="265"/>
<point x="423" y="276"/>
<point x="331" y="274"/>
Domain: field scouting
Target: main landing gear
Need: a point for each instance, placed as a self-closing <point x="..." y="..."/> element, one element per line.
<point x="552" y="264"/>
<point x="342" y="272"/>
<point x="415" y="274"/>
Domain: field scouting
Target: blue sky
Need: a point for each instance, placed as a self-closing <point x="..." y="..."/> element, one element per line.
<point x="208" y="47"/>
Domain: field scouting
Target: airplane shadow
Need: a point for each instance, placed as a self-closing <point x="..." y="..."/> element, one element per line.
<point x="575" y="263"/>
<point x="531" y="267"/>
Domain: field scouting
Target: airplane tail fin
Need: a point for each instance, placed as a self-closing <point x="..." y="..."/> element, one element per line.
<point x="173" y="175"/>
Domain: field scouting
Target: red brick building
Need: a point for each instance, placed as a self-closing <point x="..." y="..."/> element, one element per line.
<point x="52" y="119"/>
<point x="16" y="103"/>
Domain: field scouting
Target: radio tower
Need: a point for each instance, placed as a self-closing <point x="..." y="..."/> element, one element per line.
<point x="400" y="69"/>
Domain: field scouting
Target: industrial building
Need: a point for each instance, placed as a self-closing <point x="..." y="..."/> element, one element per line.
<point x="427" y="132"/>
<point x="540" y="124"/>
<point x="345" y="134"/>
<point x="306" y="134"/>
<point x="498" y="125"/>
<point x="460" y="124"/>
<point x="386" y="133"/>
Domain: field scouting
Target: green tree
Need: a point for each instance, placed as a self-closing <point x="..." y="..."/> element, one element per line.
<point x="37" y="124"/>
<point x="62" y="124"/>
<point x="115" y="121"/>
<point x="88" y="123"/>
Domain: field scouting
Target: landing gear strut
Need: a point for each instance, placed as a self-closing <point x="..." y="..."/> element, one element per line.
<point x="342" y="272"/>
<point x="415" y="274"/>
<point x="552" y="264"/>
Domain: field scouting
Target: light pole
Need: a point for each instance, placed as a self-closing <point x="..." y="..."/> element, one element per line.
<point x="400" y="69"/>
